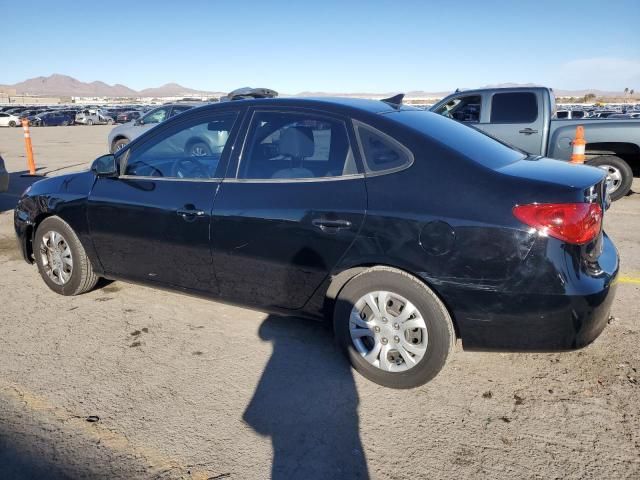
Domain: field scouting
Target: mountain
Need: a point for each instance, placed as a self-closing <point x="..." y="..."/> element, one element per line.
<point x="64" y="85"/>
<point x="170" y="90"/>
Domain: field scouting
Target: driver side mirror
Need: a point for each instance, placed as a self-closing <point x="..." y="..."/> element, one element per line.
<point x="105" y="166"/>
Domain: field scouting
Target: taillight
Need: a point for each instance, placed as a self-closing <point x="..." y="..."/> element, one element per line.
<point x="571" y="222"/>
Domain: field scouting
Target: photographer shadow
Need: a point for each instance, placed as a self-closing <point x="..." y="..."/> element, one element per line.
<point x="307" y="402"/>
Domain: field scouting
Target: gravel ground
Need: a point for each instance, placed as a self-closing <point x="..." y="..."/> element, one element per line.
<point x="130" y="382"/>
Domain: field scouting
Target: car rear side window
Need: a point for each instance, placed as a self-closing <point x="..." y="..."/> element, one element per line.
<point x="292" y="145"/>
<point x="514" y="107"/>
<point x="381" y="152"/>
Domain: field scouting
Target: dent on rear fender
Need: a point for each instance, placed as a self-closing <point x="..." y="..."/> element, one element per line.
<point x="478" y="257"/>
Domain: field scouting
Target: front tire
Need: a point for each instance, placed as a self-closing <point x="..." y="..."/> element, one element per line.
<point x="12" y="123"/>
<point x="394" y="329"/>
<point x="89" y="122"/>
<point x="619" y="173"/>
<point x="62" y="261"/>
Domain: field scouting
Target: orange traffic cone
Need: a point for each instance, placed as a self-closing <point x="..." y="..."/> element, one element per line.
<point x="31" y="164"/>
<point x="579" y="143"/>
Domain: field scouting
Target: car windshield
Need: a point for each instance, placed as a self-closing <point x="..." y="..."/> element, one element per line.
<point x="469" y="141"/>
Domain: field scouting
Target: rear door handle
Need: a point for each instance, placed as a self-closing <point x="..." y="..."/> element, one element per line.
<point x="330" y="226"/>
<point x="528" y="131"/>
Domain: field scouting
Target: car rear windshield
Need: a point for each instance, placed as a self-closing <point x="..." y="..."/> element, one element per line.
<point x="469" y="141"/>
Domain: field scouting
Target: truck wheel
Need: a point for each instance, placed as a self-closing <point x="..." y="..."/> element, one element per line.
<point x="115" y="146"/>
<point x="619" y="172"/>
<point x="394" y="329"/>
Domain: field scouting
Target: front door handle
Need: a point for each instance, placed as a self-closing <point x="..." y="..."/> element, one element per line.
<point x="528" y="131"/>
<point x="190" y="214"/>
<point x="330" y="226"/>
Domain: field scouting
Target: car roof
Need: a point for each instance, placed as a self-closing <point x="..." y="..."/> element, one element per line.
<point x="500" y="89"/>
<point x="343" y="103"/>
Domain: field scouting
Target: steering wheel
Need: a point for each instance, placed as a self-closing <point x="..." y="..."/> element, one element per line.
<point x="189" y="167"/>
<point x="139" y="169"/>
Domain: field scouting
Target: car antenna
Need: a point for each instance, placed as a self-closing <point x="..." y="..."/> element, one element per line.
<point x="396" y="100"/>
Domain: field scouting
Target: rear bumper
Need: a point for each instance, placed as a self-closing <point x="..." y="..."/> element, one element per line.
<point x="530" y="321"/>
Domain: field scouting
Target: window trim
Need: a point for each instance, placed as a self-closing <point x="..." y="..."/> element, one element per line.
<point x="535" y="96"/>
<point x="357" y="124"/>
<point x="289" y="111"/>
<point x="460" y="97"/>
<point x="237" y="124"/>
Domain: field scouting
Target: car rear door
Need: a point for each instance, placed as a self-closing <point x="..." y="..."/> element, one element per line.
<point x="516" y="118"/>
<point x="289" y="208"/>
<point x="152" y="223"/>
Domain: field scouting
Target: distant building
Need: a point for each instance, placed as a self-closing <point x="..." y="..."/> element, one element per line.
<point x="12" y="97"/>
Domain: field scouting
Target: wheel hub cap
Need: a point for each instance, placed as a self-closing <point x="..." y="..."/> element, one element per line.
<point x="56" y="258"/>
<point x="388" y="331"/>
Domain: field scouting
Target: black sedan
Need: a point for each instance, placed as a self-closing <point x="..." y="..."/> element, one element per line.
<point x="408" y="229"/>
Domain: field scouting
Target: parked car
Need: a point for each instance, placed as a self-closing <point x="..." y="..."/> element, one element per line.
<point x="568" y="114"/>
<point x="30" y="112"/>
<point x="128" y="116"/>
<point x="51" y="119"/>
<point x="523" y="117"/>
<point x="123" y="134"/>
<point x="406" y="228"/>
<point x="93" y="117"/>
<point x="4" y="177"/>
<point x="9" y="120"/>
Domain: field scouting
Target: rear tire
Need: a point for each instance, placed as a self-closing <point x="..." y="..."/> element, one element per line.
<point x="432" y="342"/>
<point x="619" y="173"/>
<point x="56" y="248"/>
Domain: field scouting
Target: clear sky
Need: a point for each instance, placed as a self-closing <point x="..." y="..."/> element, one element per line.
<point x="325" y="45"/>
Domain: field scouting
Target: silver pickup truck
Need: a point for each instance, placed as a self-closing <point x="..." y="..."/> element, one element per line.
<point x="525" y="118"/>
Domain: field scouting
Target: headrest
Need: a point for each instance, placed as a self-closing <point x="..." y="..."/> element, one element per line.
<point x="297" y="142"/>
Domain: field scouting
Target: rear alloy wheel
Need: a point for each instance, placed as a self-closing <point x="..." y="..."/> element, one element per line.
<point x="619" y="174"/>
<point x="395" y="330"/>
<point x="61" y="259"/>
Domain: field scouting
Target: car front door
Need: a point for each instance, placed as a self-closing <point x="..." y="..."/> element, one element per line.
<point x="291" y="205"/>
<point x="152" y="222"/>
